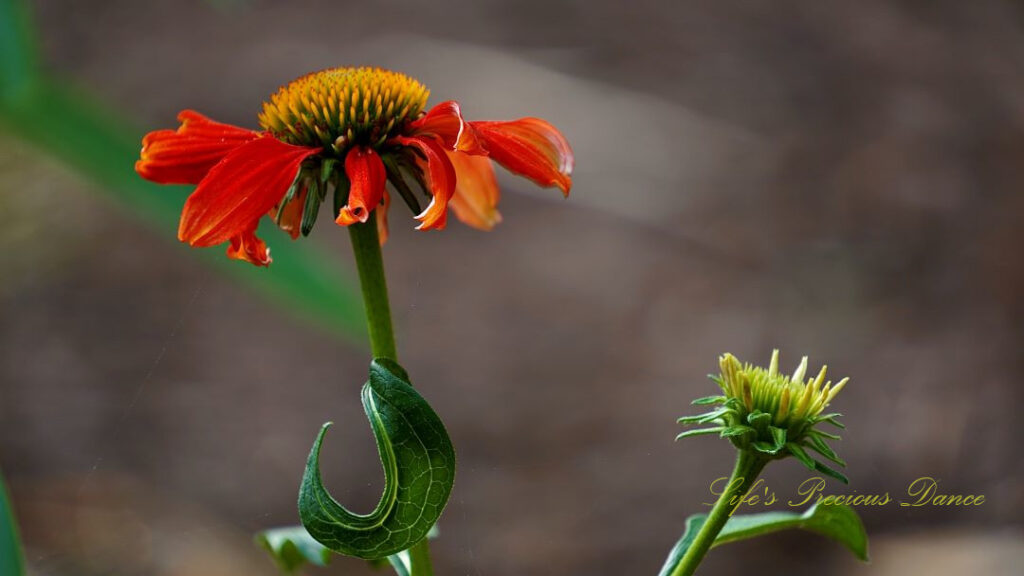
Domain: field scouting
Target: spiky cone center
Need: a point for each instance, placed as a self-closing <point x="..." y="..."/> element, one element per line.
<point x="341" y="107"/>
<point x="338" y="109"/>
<point x="771" y="413"/>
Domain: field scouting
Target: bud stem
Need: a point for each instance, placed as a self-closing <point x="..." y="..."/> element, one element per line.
<point x="748" y="466"/>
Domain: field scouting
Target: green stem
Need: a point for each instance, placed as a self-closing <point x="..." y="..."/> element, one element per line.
<point x="419" y="559"/>
<point x="748" y="465"/>
<point x="370" y="263"/>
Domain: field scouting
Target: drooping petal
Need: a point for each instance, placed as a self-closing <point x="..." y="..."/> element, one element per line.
<point x="247" y="246"/>
<point x="289" y="217"/>
<point x="365" y="171"/>
<point x="529" y="147"/>
<point x="382" y="218"/>
<point x="441" y="181"/>
<point x="185" y="155"/>
<point x="476" y="191"/>
<point x="240" y="189"/>
<point x="445" y="123"/>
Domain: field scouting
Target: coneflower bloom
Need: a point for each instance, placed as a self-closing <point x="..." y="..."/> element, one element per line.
<point x="350" y="131"/>
<point x="771" y="413"/>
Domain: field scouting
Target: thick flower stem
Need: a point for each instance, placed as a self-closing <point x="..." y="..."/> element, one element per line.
<point x="748" y="466"/>
<point x="370" y="263"/>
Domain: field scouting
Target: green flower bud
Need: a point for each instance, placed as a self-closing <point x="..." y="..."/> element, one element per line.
<point x="770" y="413"/>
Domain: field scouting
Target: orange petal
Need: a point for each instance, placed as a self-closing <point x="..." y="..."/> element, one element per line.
<point x="476" y="191"/>
<point x="441" y="176"/>
<point x="445" y="123"/>
<point x="239" y="190"/>
<point x="382" y="218"/>
<point x="365" y="171"/>
<point x="529" y="147"/>
<point x="185" y="155"/>
<point x="246" y="246"/>
<point x="289" y="218"/>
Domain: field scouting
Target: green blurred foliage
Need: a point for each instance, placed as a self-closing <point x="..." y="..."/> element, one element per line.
<point x="70" y="126"/>
<point x="10" y="547"/>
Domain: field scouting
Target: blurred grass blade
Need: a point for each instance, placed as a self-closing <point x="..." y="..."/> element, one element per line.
<point x="97" y="143"/>
<point x="11" y="563"/>
<point x="19" y="61"/>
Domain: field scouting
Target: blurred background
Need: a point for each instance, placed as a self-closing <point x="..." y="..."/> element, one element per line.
<point x="841" y="180"/>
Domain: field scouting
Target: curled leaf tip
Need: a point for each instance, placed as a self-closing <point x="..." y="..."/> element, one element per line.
<point x="419" y="472"/>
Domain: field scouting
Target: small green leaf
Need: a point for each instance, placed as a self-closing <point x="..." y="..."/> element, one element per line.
<point x="831" y="419"/>
<point x="733" y="403"/>
<point x="11" y="563"/>
<point x="705" y="417"/>
<point x="819" y="446"/>
<point x="327" y="172"/>
<point x="699" y="432"/>
<point x="829" y="416"/>
<point x="701" y="418"/>
<point x="737" y="430"/>
<point x="693" y="525"/>
<point x="816" y="432"/>
<point x="292" y="547"/>
<point x="838" y="522"/>
<point x="801" y="455"/>
<point x="708" y="400"/>
<point x="419" y="471"/>
<point x="394" y="173"/>
<point x="831" y="472"/>
<point x="778" y="437"/>
<point x="759" y="420"/>
<point x="314" y="196"/>
<point x="714" y="416"/>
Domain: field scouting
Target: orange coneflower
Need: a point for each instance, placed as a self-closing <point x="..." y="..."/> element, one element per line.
<point x="350" y="130"/>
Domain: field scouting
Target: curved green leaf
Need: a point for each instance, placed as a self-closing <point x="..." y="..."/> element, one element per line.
<point x="11" y="562"/>
<point x="838" y="522"/>
<point x="693" y="525"/>
<point x="419" y="471"/>
<point x="292" y="547"/>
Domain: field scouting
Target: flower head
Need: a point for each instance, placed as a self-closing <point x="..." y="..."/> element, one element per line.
<point x="771" y="413"/>
<point x="350" y="132"/>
